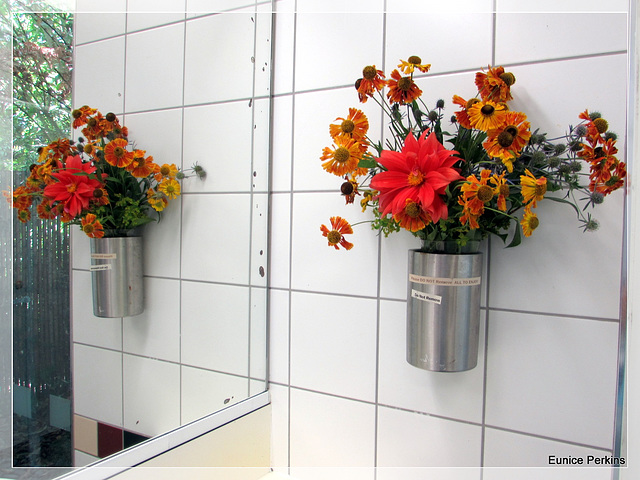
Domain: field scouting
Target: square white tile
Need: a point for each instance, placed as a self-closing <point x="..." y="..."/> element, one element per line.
<point x="87" y="328"/>
<point x="216" y="237"/>
<point x="218" y="137"/>
<point x="215" y="326"/>
<point x="321" y="268"/>
<point x="508" y="449"/>
<point x="409" y="7"/>
<point x="156" y="332"/>
<point x="279" y="336"/>
<point x="99" y="75"/>
<point x="333" y="344"/>
<point x="326" y="56"/>
<point x="158" y="133"/>
<point x="143" y="14"/>
<point x="96" y="20"/>
<point x="408" y="439"/>
<point x="314" y="112"/>
<point x="405" y="36"/>
<point x="400" y="384"/>
<point x="331" y="437"/>
<point x="151" y="407"/>
<point x="552" y="376"/>
<point x="280" y="235"/>
<point x="536" y="36"/>
<point x="161" y="242"/>
<point x="554" y="6"/>
<point x="223" y="73"/>
<point x="97" y="384"/>
<point x="428" y="473"/>
<point x="154" y="77"/>
<point x="204" y="392"/>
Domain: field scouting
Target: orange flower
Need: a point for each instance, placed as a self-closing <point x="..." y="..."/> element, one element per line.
<point x="24" y="215"/>
<point x="402" y="89"/>
<point x="349" y="189"/>
<point x="81" y="115"/>
<point x="61" y="148"/>
<point x="495" y="85"/>
<point x="343" y="158"/>
<point x="100" y="197"/>
<point x="501" y="188"/>
<point x="486" y="115"/>
<point x="372" y="81"/>
<point x="477" y="193"/>
<point x="116" y="154"/>
<point x="91" y="226"/>
<point x="413" y="217"/>
<point x="467" y="213"/>
<point x="142" y="167"/>
<point x="463" y="115"/>
<point x="45" y="210"/>
<point x="354" y="126"/>
<point x="507" y="142"/>
<point x="95" y="127"/>
<point x="335" y="236"/>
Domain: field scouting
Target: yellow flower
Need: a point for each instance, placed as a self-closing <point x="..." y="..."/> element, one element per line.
<point x="529" y="222"/>
<point x="533" y="189"/>
<point x="344" y="157"/>
<point x="412" y="63"/>
<point x="170" y="187"/>
<point x="487" y="115"/>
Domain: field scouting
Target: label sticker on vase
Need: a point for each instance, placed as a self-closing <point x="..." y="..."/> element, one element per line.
<point x="97" y="268"/>
<point x="104" y="256"/>
<point x="446" y="282"/>
<point x="426" y="297"/>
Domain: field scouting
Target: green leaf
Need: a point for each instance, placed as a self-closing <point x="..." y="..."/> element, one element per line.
<point x="517" y="237"/>
<point x="367" y="163"/>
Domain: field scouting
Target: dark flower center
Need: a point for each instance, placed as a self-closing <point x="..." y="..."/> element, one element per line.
<point x="369" y="72"/>
<point x="414" y="60"/>
<point x="413" y="210"/>
<point x="346" y="188"/>
<point x="405" y="84"/>
<point x="348" y="126"/>
<point x="334" y="237"/>
<point x="485" y="193"/>
<point x="341" y="155"/>
<point x="118" y="152"/>
<point x="533" y="223"/>
<point x="508" y="78"/>
<point x="487" y="110"/>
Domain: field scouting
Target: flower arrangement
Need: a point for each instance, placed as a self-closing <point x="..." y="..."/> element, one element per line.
<point x="490" y="179"/>
<point x="100" y="182"/>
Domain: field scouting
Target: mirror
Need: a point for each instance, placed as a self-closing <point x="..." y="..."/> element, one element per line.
<point x="192" y="86"/>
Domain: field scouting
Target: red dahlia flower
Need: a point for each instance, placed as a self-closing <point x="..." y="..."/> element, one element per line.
<point x="420" y="172"/>
<point x="74" y="188"/>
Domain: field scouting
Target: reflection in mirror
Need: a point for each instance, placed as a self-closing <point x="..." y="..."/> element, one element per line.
<point x="191" y="87"/>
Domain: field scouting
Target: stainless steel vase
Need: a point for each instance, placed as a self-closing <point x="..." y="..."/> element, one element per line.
<point x="443" y="310"/>
<point x="116" y="274"/>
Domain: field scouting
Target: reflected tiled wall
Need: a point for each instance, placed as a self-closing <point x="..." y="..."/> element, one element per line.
<point x="343" y="396"/>
<point x="167" y="70"/>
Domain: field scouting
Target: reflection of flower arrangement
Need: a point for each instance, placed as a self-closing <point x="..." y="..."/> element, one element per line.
<point x="452" y="199"/>
<point x="99" y="182"/>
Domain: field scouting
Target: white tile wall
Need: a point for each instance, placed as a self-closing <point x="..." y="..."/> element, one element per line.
<point x="200" y="344"/>
<point x="545" y="381"/>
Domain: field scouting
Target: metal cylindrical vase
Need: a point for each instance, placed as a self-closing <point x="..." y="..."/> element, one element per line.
<point x="443" y="310"/>
<point x="116" y="273"/>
